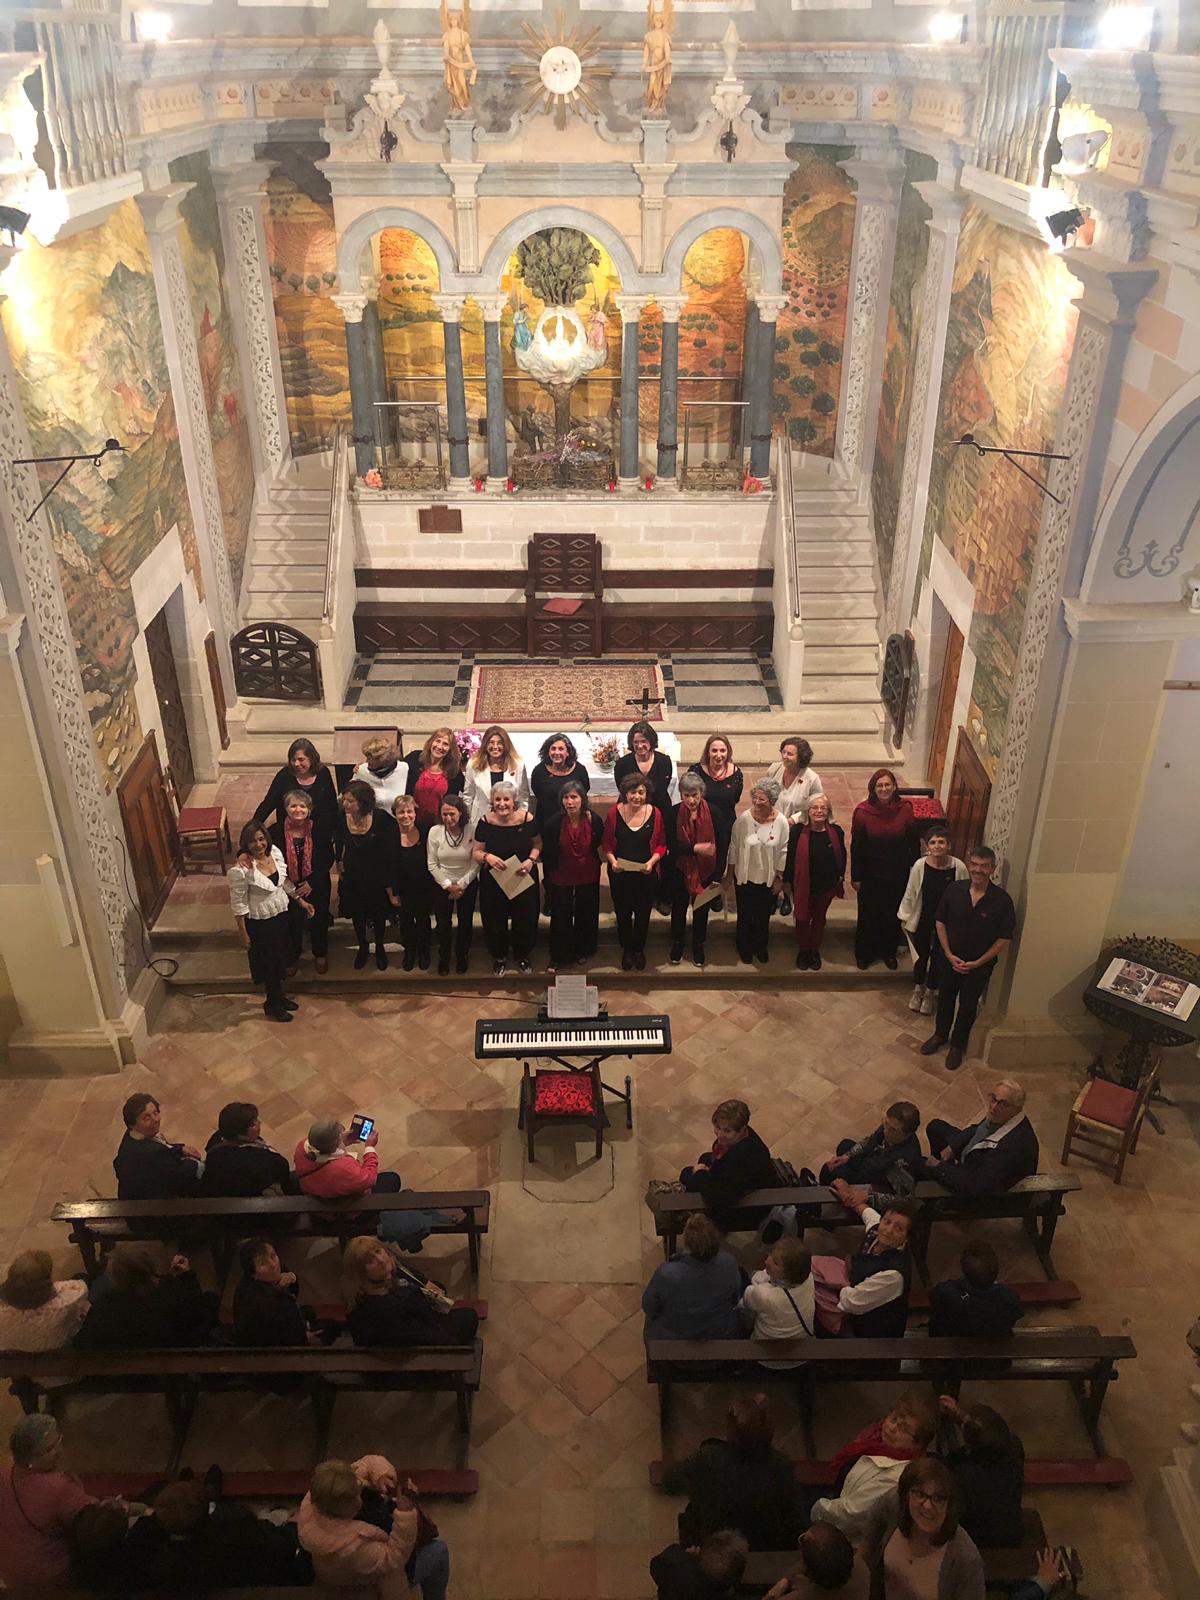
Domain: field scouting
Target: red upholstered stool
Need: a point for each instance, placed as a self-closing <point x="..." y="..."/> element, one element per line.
<point x="203" y="831"/>
<point x="1108" y="1118"/>
<point x="551" y="1098"/>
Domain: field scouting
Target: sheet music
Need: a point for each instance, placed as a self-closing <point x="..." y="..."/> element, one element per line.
<point x="510" y="880"/>
<point x="710" y="893"/>
<point x="632" y="866"/>
<point x="572" y="996"/>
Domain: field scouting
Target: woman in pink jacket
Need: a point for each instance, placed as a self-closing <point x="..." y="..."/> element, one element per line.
<point x="327" y="1169"/>
<point x="360" y="1531"/>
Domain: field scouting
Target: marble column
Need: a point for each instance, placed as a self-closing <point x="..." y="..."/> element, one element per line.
<point x="749" y="358"/>
<point x="164" y="227"/>
<point x="630" y="306"/>
<point x="671" y="306"/>
<point x="947" y="207"/>
<point x="458" y="434"/>
<point x="492" y="306"/>
<point x="762" y="383"/>
<point x="240" y="201"/>
<point x="352" y="307"/>
<point x="373" y="348"/>
<point x="878" y="177"/>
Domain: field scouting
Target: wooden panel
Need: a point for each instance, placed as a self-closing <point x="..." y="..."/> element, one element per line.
<point x="218" y="688"/>
<point x="715" y="580"/>
<point x="439" y="519"/>
<point x="170" y="704"/>
<point x="970" y="796"/>
<point x="564" y="563"/>
<point x="627" y="628"/>
<point x="945" y="710"/>
<point x="149" y="829"/>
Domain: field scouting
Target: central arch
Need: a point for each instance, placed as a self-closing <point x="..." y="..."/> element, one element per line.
<point x="511" y="235"/>
<point x="755" y="229"/>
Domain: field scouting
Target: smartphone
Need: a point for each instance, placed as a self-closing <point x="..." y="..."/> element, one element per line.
<point x="361" y="1127"/>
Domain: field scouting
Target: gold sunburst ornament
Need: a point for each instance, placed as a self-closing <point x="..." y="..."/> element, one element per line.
<point x="557" y="69"/>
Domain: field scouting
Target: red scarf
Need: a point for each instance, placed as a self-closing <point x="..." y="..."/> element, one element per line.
<point x="870" y="1443"/>
<point x="696" y="827"/>
<point x="800" y="876"/>
<point x="297" y="844"/>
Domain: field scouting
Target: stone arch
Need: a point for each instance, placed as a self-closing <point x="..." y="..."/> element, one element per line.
<point x="511" y="235"/>
<point x="363" y="229"/>
<point x="755" y="229"/>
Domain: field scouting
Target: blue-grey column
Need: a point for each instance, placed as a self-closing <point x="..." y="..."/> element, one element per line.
<point x="373" y="343"/>
<point x="671" y="307"/>
<point x="630" y="307"/>
<point x="352" y="307"/>
<point x="762" y="384"/>
<point x="492" y="307"/>
<point x="749" y="361"/>
<point x="459" y="439"/>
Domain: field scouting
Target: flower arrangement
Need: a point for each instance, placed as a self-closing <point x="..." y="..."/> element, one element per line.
<point x="606" y="747"/>
<point x="373" y="479"/>
<point x="751" y="484"/>
<point x="467" y="741"/>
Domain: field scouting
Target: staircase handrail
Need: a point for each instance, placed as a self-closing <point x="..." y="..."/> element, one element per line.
<point x="339" y="499"/>
<point x="786" y="493"/>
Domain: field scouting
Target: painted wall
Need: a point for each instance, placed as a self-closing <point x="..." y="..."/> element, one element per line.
<point x="82" y="323"/>
<point x="1008" y="342"/>
<point x="220" y="371"/>
<point x="895" y="400"/>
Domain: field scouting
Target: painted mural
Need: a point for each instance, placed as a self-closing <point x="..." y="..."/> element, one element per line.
<point x="204" y="261"/>
<point x="895" y="400"/>
<point x="1008" y="343"/>
<point x="818" y="236"/>
<point x="82" y="324"/>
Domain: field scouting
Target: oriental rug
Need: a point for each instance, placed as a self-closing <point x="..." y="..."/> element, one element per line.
<point x="565" y="693"/>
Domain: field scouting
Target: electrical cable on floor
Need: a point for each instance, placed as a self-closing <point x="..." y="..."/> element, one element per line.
<point x="165" y="966"/>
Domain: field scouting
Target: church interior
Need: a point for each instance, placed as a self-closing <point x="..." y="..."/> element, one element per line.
<point x="779" y="374"/>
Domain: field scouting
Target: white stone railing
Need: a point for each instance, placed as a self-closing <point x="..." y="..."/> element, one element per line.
<point x="335" y="645"/>
<point x="1017" y="106"/>
<point x="76" y="94"/>
<point x="787" y="643"/>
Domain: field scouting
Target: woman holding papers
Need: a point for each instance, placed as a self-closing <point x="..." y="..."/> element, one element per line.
<point x="571" y="840"/>
<point x="816" y="871"/>
<point x="701" y="835"/>
<point x="633" y="844"/>
<point x="757" y="853"/>
<point x="508" y="847"/>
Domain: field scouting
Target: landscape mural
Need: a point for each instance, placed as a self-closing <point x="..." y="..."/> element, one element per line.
<point x="204" y="262"/>
<point x="82" y="323"/>
<point x="1008" y="343"/>
<point x="895" y="400"/>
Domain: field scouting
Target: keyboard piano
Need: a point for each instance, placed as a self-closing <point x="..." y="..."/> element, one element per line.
<point x="573" y="1036"/>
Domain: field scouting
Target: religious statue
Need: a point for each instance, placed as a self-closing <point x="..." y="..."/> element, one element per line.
<point x="656" y="53"/>
<point x="597" y="330"/>
<point x="459" y="69"/>
<point x="522" y="338"/>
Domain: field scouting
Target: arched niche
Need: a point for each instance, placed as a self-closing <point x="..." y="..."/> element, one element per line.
<point x="353" y="244"/>
<point x="763" y="241"/>
<point x="495" y="262"/>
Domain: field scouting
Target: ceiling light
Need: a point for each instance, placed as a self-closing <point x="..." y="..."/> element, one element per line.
<point x="153" y="27"/>
<point x="946" y="27"/>
<point x="1081" y="151"/>
<point x="1126" y="28"/>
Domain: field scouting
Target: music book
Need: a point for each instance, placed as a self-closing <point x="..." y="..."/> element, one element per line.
<point x="631" y="866"/>
<point x="510" y="880"/>
<point x="710" y="893"/>
<point x="572" y="996"/>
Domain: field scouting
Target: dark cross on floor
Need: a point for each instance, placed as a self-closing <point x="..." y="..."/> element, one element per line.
<point x="644" y="703"/>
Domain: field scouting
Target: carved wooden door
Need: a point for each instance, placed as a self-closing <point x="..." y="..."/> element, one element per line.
<point x="218" y="688"/>
<point x="970" y="796"/>
<point x="149" y="829"/>
<point x="945" y="709"/>
<point x="170" y="704"/>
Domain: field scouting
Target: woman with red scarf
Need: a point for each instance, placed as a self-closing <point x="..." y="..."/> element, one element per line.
<point x="883" y="847"/>
<point x="816" y="870"/>
<point x="571" y="854"/>
<point x="308" y="852"/>
<point x="697" y="850"/>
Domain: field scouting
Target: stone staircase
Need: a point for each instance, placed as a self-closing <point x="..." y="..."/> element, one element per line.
<point x="290" y="548"/>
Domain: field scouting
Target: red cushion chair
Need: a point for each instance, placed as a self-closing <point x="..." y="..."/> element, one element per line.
<point x="1108" y="1118"/>
<point x="552" y="1098"/>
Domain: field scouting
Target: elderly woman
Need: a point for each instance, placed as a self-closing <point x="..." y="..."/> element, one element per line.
<point x="304" y="771"/>
<point x="883" y="847"/>
<point x="914" y="1545"/>
<point x="816" y="871"/>
<point x="506" y="833"/>
<point x="411" y="890"/>
<point x="696" y="1294"/>
<point x="722" y="780"/>
<point x="633" y="843"/>
<point x="362" y="1532"/>
<point x="308" y="857"/>
<point x="496" y="761"/>
<point x="700" y="837"/>
<point x="38" y="1505"/>
<point x="559" y="765"/>
<point x="757" y="854"/>
<point x="261" y="896"/>
<point x="366" y="844"/>
<point x="571" y="841"/>
<point x="434" y="771"/>
<point x="383" y="770"/>
<point x="389" y="1304"/>
<point x="455" y="874"/>
<point x="35" y="1312"/>
<point x="331" y="1169"/>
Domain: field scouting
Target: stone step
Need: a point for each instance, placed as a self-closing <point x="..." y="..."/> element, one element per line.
<point x="866" y="719"/>
<point x="849" y="659"/>
<point x="862" y="604"/>
<point x="835" y="553"/>
<point x="306" y="608"/>
<point x="273" y="579"/>
<point x="840" y="630"/>
<point x="822" y="689"/>
<point x="290" y="524"/>
<point x="815" y="579"/>
<point x="286" y="552"/>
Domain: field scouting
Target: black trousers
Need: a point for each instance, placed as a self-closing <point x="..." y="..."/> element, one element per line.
<point x="574" y="921"/>
<point x="317" y="926"/>
<point x="509" y="923"/>
<point x="413" y="921"/>
<point x="959" y="994"/>
<point x="755" y="902"/>
<point x="378" y="930"/>
<point x="878" y="933"/>
<point x="930" y="963"/>
<point x="680" y="901"/>
<point x="446" y="911"/>
<point x="633" y="895"/>
<point x="268" y="954"/>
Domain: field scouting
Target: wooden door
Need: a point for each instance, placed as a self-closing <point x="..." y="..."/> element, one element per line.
<point x="945" y="710"/>
<point x="970" y="795"/>
<point x="218" y="688"/>
<point x="149" y="829"/>
<point x="170" y="704"/>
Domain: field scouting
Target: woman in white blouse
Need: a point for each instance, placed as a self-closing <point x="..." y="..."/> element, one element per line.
<point x="261" y="895"/>
<point x="757" y="852"/>
<point x="496" y="761"/>
<point x="455" y="874"/>
<point x="35" y="1312"/>
<point x="798" y="783"/>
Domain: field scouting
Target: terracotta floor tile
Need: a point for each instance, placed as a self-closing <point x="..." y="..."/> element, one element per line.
<point x="552" y="1414"/>
<point x="568" y="1571"/>
<point x="554" y="1352"/>
<point x="588" y="1384"/>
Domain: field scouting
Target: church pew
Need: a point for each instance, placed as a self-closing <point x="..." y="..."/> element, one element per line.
<point x="286" y="1485"/>
<point x="1042" y="1472"/>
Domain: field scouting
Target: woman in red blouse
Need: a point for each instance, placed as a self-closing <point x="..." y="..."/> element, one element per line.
<point x="571" y="852"/>
<point x="434" y="771"/>
<point x="883" y="846"/>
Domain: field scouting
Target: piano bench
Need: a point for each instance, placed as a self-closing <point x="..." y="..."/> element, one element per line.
<point x="555" y="1098"/>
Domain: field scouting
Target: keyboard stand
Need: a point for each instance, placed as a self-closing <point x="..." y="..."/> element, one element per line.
<point x="625" y="1095"/>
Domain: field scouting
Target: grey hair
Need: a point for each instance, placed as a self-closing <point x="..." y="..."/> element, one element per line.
<point x="1016" y="1095"/>
<point x="767" y="786"/>
<point x="32" y="1437"/>
<point x="325" y="1136"/>
<point x="691" y="783"/>
<point x="504" y="787"/>
<point x="297" y="794"/>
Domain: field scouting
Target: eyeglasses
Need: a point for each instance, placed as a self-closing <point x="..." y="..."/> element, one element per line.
<point x="937" y="1501"/>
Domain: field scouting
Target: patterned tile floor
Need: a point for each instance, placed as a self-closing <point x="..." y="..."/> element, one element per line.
<point x="565" y="1425"/>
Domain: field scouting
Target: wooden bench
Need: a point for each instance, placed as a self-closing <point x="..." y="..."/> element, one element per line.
<point x="222" y="1223"/>
<point x="1081" y="1357"/>
<point x="1036" y="1201"/>
<point x="1043" y="1472"/>
<point x="286" y="1485"/>
<point x="181" y="1376"/>
<point x="1032" y="1295"/>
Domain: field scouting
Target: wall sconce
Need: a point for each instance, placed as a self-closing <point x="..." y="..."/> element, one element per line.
<point x="1081" y="151"/>
<point x="13" y="222"/>
<point x="40" y="461"/>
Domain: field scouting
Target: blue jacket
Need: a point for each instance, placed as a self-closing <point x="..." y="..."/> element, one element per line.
<point x="690" y="1299"/>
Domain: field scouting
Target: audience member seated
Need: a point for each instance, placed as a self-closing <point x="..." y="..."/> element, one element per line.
<point x="1058" y="1575"/>
<point x="781" y="1296"/>
<point x="147" y="1166"/>
<point x="265" y="1303"/>
<point x="874" y="1298"/>
<point x="914" y="1545"/>
<point x="990" y="1155"/>
<point x="829" y="1567"/>
<point x="97" y="1549"/>
<point x="35" y="1312"/>
<point x="738" y="1162"/>
<point x="140" y="1309"/>
<point x="888" y="1159"/>
<point x="238" y="1161"/>
<point x="868" y="1469"/>
<point x="193" y="1541"/>
<point x="974" y="1306"/>
<point x="989" y="1468"/>
<point x="695" y="1295"/>
<point x="330" y="1169"/>
<point x="710" y="1570"/>
<point x="739" y="1482"/>
<point x="389" y="1303"/>
<point x="38" y="1504"/>
<point x="348" y="1550"/>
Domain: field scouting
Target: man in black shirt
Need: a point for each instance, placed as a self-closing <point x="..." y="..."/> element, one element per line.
<point x="146" y="1165"/>
<point x="239" y="1163"/>
<point x="975" y="922"/>
<point x="977" y="1305"/>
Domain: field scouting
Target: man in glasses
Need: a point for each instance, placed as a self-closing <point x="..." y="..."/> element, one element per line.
<point x="991" y="1154"/>
<point x="828" y="1570"/>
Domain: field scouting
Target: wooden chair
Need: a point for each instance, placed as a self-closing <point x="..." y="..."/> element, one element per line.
<point x="203" y="831"/>
<point x="1109" y="1118"/>
<point x="564" y="566"/>
<point x="552" y="1098"/>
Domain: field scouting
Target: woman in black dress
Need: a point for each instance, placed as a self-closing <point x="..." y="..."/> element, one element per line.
<point x="412" y="891"/>
<point x="390" y="1305"/>
<point x="722" y="788"/>
<point x="304" y="771"/>
<point x="571" y="842"/>
<point x="308" y="854"/>
<point x="366" y="845"/>
<point x="559" y="764"/>
<point x="633" y="833"/>
<point x="658" y="769"/>
<point x="503" y="833"/>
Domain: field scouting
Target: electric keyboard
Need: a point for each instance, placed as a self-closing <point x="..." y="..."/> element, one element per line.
<point x="594" y="1036"/>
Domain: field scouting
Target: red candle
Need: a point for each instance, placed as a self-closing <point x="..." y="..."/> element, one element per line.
<point x="478" y="485"/>
<point x="611" y="486"/>
<point x="510" y="486"/>
<point x="649" y="485"/>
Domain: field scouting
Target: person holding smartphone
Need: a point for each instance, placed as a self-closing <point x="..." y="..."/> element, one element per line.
<point x="327" y="1167"/>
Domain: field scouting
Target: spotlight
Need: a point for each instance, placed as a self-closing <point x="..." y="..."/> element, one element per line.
<point x="1064" y="223"/>
<point x="1081" y="151"/>
<point x="1126" y="28"/>
<point x="13" y="222"/>
<point x="946" y="27"/>
<point x="153" y="27"/>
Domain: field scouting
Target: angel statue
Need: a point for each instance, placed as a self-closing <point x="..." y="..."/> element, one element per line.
<point x="522" y="338"/>
<point x="459" y="70"/>
<point x="656" y="53"/>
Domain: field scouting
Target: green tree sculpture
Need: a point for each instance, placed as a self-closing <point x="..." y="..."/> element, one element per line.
<point x="556" y="264"/>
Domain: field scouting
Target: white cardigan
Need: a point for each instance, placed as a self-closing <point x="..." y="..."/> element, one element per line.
<point x="450" y="864"/>
<point x="794" y="798"/>
<point x="910" y="906"/>
<point x="253" y="895"/>
<point x="477" y="789"/>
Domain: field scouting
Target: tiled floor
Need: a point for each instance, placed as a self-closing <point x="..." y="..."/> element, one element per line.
<point x="565" y="1424"/>
<point x="416" y="684"/>
<point x="723" y="684"/>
